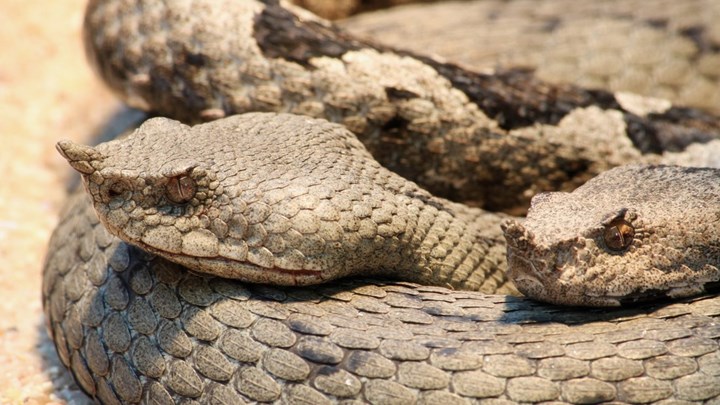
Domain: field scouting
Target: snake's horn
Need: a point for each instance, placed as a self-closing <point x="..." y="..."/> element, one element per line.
<point x="85" y="159"/>
<point x="516" y="235"/>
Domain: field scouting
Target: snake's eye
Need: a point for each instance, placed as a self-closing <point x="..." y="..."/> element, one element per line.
<point x="180" y="189"/>
<point x="618" y="234"/>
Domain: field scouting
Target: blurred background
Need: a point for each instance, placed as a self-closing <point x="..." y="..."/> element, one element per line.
<point x="47" y="92"/>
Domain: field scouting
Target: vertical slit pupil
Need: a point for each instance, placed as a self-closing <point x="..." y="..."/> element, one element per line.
<point x="619" y="234"/>
<point x="181" y="189"/>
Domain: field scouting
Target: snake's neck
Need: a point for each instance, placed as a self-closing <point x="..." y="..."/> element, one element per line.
<point x="458" y="247"/>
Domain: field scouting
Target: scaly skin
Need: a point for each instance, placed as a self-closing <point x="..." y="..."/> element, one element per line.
<point x="429" y="121"/>
<point x="289" y="200"/>
<point x="562" y="253"/>
<point x="283" y="199"/>
<point x="315" y="179"/>
<point x="662" y="48"/>
<point x="133" y="327"/>
<point x="136" y="328"/>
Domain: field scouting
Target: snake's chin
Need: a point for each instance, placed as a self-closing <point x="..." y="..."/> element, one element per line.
<point x="528" y="278"/>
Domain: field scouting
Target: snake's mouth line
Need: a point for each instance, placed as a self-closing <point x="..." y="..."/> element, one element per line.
<point x="242" y="270"/>
<point x="529" y="280"/>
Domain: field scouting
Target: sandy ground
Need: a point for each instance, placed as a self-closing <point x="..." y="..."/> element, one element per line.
<point x="47" y="93"/>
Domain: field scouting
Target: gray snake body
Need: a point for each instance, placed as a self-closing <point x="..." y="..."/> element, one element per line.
<point x="134" y="327"/>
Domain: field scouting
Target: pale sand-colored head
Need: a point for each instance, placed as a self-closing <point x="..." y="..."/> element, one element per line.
<point x="633" y="233"/>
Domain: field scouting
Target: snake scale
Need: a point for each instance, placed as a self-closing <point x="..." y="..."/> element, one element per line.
<point x="134" y="327"/>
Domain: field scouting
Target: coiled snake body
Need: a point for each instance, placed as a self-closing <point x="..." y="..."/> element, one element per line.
<point x="312" y="205"/>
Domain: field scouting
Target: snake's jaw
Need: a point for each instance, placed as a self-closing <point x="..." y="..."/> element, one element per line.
<point x="85" y="159"/>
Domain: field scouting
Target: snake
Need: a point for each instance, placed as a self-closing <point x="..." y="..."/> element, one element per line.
<point x="139" y="290"/>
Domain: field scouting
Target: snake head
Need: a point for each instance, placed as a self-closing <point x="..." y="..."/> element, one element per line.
<point x="260" y="197"/>
<point x="632" y="234"/>
<point x="147" y="186"/>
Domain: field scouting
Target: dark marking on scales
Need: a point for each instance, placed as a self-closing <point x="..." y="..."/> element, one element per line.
<point x="515" y="98"/>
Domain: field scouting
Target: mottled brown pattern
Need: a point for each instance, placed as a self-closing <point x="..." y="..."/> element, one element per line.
<point x="459" y="126"/>
<point x="664" y="49"/>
